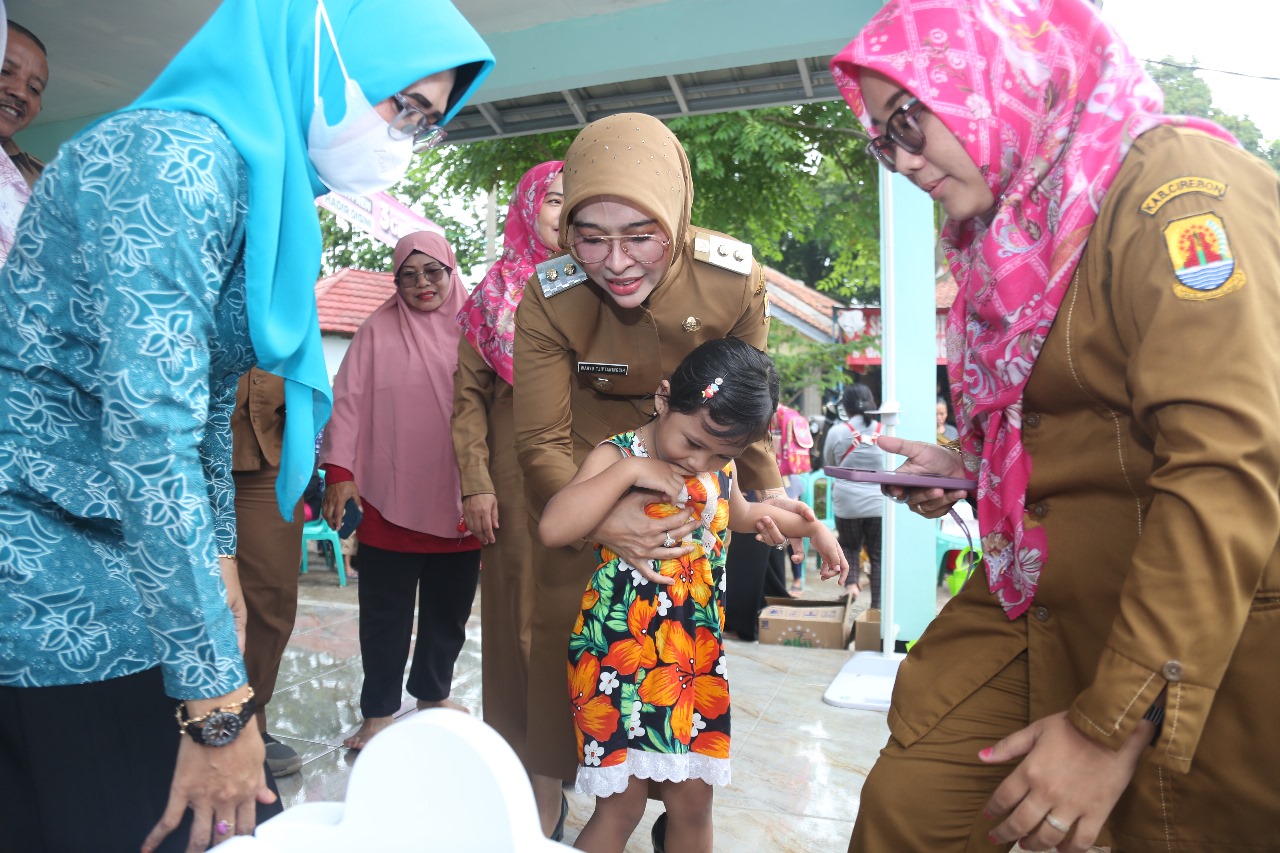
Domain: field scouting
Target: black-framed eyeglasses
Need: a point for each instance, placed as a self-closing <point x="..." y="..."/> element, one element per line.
<point x="412" y="122"/>
<point x="902" y="130"/>
<point x="644" y="249"/>
<point x="431" y="275"/>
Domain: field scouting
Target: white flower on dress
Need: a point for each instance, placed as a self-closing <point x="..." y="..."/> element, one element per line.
<point x="698" y="725"/>
<point x="592" y="753"/>
<point x="608" y="681"/>
<point x="722" y="667"/>
<point x="664" y="603"/>
<point x="638" y="579"/>
<point x="634" y="729"/>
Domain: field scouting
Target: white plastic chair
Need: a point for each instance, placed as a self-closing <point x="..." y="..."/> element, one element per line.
<point x="438" y="780"/>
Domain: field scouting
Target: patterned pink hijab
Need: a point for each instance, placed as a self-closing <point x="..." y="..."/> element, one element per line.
<point x="488" y="318"/>
<point x="392" y="400"/>
<point x="1046" y="100"/>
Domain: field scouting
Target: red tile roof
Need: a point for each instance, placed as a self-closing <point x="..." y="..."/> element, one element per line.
<point x="800" y="300"/>
<point x="347" y="297"/>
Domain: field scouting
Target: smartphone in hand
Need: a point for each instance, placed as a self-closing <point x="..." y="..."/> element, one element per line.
<point x="351" y="516"/>
<point x="907" y="481"/>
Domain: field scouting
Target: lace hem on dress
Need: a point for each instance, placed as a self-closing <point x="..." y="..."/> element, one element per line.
<point x="656" y="766"/>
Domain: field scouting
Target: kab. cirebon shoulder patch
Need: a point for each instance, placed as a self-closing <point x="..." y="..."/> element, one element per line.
<point x="1201" y="256"/>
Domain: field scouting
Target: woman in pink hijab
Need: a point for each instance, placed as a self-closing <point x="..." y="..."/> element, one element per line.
<point x="493" y="502"/>
<point x="387" y="449"/>
<point x="1113" y="361"/>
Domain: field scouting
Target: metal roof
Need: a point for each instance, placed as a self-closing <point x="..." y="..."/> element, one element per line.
<point x="769" y="84"/>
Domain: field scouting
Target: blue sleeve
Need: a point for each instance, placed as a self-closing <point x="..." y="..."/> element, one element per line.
<point x="215" y="452"/>
<point x="161" y="203"/>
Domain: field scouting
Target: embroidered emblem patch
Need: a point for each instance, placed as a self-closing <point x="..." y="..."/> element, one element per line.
<point x="1181" y="186"/>
<point x="1201" y="256"/>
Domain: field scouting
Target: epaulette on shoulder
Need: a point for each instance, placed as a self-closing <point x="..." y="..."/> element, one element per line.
<point x="721" y="251"/>
<point x="556" y="275"/>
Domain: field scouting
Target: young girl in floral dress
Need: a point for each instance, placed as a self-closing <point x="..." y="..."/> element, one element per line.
<point x="647" y="679"/>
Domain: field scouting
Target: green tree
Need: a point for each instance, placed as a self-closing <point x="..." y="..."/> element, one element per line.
<point x="754" y="173"/>
<point x="1185" y="93"/>
<point x="802" y="361"/>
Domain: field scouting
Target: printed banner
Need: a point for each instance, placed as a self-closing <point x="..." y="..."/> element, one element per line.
<point x="380" y="216"/>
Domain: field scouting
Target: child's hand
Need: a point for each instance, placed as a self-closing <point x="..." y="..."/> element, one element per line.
<point x="656" y="476"/>
<point x="830" y="554"/>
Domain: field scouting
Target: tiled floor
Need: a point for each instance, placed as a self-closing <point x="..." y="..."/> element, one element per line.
<point x="798" y="763"/>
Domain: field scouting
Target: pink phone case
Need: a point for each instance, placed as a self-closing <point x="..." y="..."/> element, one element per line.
<point x="893" y="478"/>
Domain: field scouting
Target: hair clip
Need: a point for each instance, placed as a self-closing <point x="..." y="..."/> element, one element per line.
<point x="711" y="390"/>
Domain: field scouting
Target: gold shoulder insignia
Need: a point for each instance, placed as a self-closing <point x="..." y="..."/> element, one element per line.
<point x="722" y="252"/>
<point x="1171" y="189"/>
<point x="556" y="275"/>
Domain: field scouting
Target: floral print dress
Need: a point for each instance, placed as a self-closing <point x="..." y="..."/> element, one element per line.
<point x="647" y="678"/>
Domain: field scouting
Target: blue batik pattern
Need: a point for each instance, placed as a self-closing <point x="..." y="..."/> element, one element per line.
<point x="124" y="306"/>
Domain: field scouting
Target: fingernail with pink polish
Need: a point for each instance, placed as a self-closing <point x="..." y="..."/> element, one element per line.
<point x="985" y="753"/>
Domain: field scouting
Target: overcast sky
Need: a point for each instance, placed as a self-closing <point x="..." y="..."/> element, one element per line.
<point x="1231" y="35"/>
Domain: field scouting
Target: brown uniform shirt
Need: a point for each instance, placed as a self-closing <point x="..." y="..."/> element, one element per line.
<point x="257" y="424"/>
<point x="1153" y="421"/>
<point x="586" y="369"/>
<point x="475" y="387"/>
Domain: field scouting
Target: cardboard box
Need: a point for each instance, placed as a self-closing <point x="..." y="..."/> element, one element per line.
<point x="866" y="631"/>
<point x="807" y="624"/>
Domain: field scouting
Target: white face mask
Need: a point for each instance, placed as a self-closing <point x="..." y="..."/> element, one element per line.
<point x="356" y="156"/>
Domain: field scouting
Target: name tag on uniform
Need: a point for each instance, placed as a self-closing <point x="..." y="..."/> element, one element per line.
<point x="601" y="367"/>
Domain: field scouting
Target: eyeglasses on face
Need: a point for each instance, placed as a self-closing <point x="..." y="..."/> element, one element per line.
<point x="430" y="274"/>
<point x="641" y="248"/>
<point x="902" y="130"/>
<point x="412" y="122"/>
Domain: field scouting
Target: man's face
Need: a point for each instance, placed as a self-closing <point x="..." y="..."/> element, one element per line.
<point x="22" y="82"/>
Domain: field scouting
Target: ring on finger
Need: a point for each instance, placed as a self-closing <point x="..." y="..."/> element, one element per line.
<point x="900" y="499"/>
<point x="668" y="542"/>
<point x="1064" y="828"/>
<point x="224" y="827"/>
<point x="780" y="547"/>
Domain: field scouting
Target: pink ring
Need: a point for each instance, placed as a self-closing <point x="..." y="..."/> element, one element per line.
<point x="224" y="827"/>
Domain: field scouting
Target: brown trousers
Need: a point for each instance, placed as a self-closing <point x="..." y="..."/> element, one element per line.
<point x="506" y="587"/>
<point x="269" y="552"/>
<point x="930" y="796"/>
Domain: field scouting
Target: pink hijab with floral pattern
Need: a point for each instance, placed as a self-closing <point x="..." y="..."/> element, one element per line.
<point x="1046" y="100"/>
<point x="488" y="318"/>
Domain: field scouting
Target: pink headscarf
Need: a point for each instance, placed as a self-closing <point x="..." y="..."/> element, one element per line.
<point x="987" y="69"/>
<point x="488" y="319"/>
<point x="393" y="397"/>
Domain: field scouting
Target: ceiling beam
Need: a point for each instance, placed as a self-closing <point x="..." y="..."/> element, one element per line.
<point x="679" y="93"/>
<point x="803" y="65"/>
<point x="491" y="115"/>
<point x="575" y="104"/>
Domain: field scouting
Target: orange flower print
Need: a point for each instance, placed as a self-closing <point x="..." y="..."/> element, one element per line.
<point x="692" y="574"/>
<point x="686" y="684"/>
<point x="589" y="600"/>
<point x="628" y="655"/>
<point x="661" y="510"/>
<point x="593" y="714"/>
<point x="714" y="744"/>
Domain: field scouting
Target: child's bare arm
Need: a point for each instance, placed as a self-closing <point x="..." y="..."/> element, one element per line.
<point x="605" y="476"/>
<point x="743" y="516"/>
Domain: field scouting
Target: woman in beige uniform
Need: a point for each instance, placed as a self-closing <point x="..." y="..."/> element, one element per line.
<point x="596" y="332"/>
<point x="483" y="426"/>
<point x="1113" y="357"/>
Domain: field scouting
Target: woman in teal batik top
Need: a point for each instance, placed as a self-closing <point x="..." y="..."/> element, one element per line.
<point x="167" y="249"/>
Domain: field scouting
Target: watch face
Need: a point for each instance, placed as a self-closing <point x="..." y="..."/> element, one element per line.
<point x="221" y="728"/>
